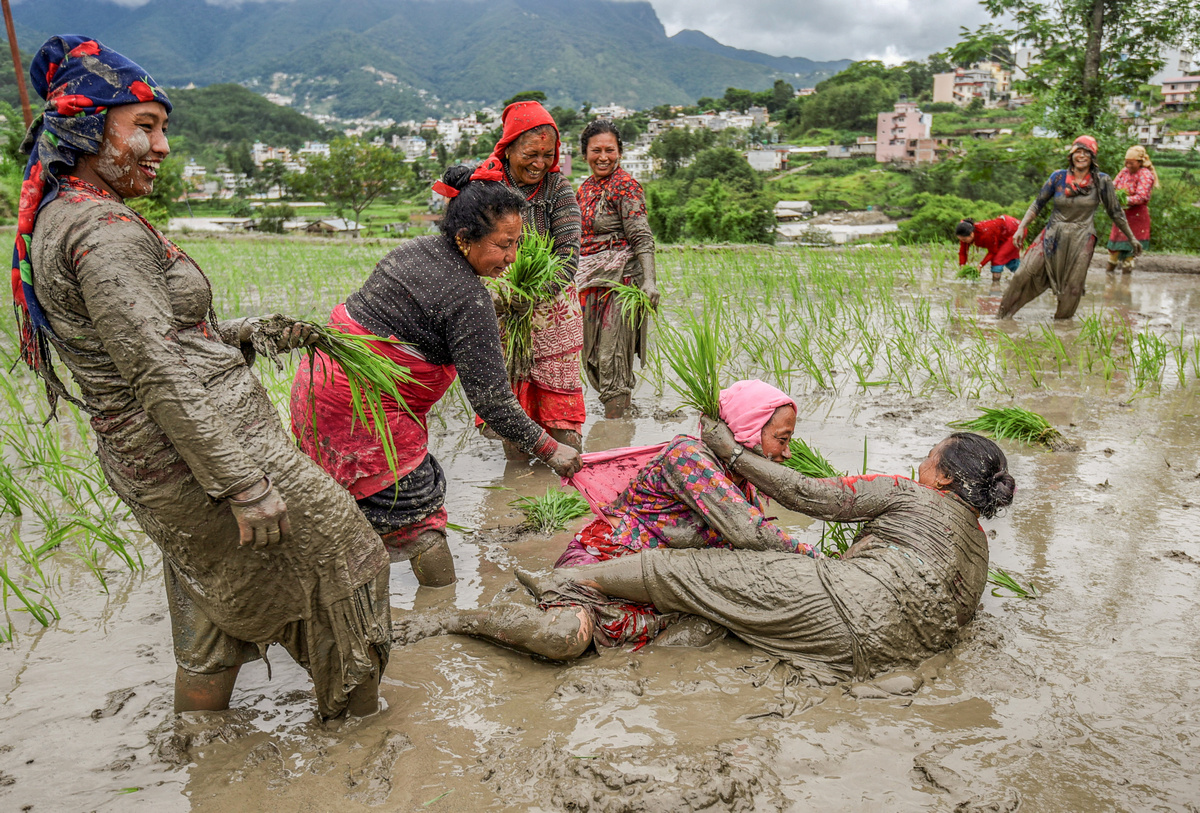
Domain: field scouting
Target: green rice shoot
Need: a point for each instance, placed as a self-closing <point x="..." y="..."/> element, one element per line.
<point x="552" y="511"/>
<point x="697" y="351"/>
<point x="1015" y="423"/>
<point x="836" y="537"/>
<point x="1003" y="580"/>
<point x="968" y="271"/>
<point x="533" y="277"/>
<point x="634" y="303"/>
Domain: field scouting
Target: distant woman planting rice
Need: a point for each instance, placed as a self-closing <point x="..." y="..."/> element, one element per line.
<point x="617" y="248"/>
<point x="995" y="238"/>
<point x="1059" y="257"/>
<point x="910" y="581"/>
<point x="673" y="495"/>
<point x="548" y="386"/>
<point x="1136" y="181"/>
<point x="428" y="295"/>
<point x="259" y="545"/>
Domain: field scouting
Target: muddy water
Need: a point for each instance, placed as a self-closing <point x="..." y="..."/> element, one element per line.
<point x="1085" y="699"/>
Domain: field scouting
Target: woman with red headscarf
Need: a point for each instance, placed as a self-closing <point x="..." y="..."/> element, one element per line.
<point x="1059" y="257"/>
<point x="526" y="159"/>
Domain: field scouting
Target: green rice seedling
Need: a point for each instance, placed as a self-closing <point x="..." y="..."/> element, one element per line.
<point x="533" y="277"/>
<point x="969" y="272"/>
<point x="1015" y="423"/>
<point x="1180" y="355"/>
<point x="371" y="376"/>
<point x="552" y="511"/>
<point x="836" y="537"/>
<point x="634" y="303"/>
<point x="697" y="350"/>
<point x="1148" y="358"/>
<point x="1003" y="580"/>
<point x="42" y="611"/>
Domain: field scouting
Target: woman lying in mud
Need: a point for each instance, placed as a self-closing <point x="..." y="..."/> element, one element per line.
<point x="680" y="496"/>
<point x="428" y="294"/>
<point x="912" y="578"/>
<point x="259" y="545"/>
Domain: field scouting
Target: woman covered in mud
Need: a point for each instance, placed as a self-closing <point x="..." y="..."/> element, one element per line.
<point x="673" y="495"/>
<point x="617" y="247"/>
<point x="428" y="295"/>
<point x="1059" y="257"/>
<point x="526" y="160"/>
<point x="1137" y="180"/>
<point x="910" y="581"/>
<point x="259" y="545"/>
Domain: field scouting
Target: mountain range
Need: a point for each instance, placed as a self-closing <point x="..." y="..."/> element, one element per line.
<point x="410" y="58"/>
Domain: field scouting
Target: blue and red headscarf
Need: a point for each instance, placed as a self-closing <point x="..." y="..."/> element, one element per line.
<point x="80" y="79"/>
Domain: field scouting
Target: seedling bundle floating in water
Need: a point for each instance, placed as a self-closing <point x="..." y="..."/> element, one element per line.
<point x="370" y="375"/>
<point x="1014" y="423"/>
<point x="534" y="276"/>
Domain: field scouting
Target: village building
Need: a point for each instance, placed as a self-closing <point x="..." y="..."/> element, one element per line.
<point x="903" y="136"/>
<point x="1179" y="92"/>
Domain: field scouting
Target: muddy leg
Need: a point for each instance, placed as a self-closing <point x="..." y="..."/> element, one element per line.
<point x="433" y="566"/>
<point x="363" y="700"/>
<point x="560" y="633"/>
<point x="204" y="692"/>
<point x="1074" y="286"/>
<point x="616" y="578"/>
<point x="1027" y="284"/>
<point x="615" y="407"/>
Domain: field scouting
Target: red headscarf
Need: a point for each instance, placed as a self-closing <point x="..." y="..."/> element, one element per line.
<point x="518" y="118"/>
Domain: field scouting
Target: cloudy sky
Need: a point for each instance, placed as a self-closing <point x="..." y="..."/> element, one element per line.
<point x="827" y="29"/>
<point x="892" y="30"/>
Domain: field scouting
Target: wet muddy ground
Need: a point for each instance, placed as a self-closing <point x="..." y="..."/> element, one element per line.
<point x="1087" y="698"/>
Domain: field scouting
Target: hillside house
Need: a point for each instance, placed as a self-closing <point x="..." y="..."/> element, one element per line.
<point x="767" y="160"/>
<point x="338" y="226"/>
<point x="1183" y="141"/>
<point x="1179" y="92"/>
<point x="898" y="135"/>
<point x="1148" y="134"/>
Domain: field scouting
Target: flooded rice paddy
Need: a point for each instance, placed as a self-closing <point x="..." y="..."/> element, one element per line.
<point x="1086" y="698"/>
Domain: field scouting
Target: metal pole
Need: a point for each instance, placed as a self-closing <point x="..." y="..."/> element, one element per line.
<point x="16" y="58"/>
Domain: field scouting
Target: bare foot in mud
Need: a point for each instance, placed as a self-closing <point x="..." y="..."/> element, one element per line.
<point x="417" y="626"/>
<point x="544" y="582"/>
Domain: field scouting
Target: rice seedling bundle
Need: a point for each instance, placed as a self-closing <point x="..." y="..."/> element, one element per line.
<point x="634" y="303"/>
<point x="370" y="375"/>
<point x="1014" y="423"/>
<point x="533" y="277"/>
<point x="836" y="537"/>
<point x="552" y="511"/>
<point x="697" y="351"/>
<point x="1003" y="580"/>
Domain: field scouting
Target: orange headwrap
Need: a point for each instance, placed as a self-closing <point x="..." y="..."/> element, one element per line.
<point x="518" y="118"/>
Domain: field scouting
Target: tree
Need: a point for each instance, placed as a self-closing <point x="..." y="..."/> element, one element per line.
<point x="273" y="175"/>
<point x="353" y="176"/>
<point x="780" y="94"/>
<point x="239" y="160"/>
<point x="738" y="99"/>
<point x="527" y="96"/>
<point x="674" y="147"/>
<point x="726" y="165"/>
<point x="850" y="106"/>
<point x="1087" y="51"/>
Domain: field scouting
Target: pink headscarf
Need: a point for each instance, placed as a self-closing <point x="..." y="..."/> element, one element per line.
<point x="747" y="406"/>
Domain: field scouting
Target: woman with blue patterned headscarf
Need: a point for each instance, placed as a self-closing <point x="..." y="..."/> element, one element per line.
<point x="259" y="545"/>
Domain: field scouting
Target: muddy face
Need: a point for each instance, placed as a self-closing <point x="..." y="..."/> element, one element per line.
<point x="494" y="253"/>
<point x="777" y="434"/>
<point x="603" y="155"/>
<point x="134" y="145"/>
<point x="929" y="473"/>
<point x="531" y="155"/>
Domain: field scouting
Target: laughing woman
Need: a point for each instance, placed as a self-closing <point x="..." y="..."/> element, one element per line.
<point x="617" y="247"/>
<point x="259" y="546"/>
<point x="526" y="160"/>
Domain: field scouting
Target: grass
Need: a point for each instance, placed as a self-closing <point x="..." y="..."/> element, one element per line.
<point x="696" y="351"/>
<point x="1003" y="580"/>
<point x="552" y="511"/>
<point x="533" y="277"/>
<point x="1014" y="423"/>
<point x="634" y="303"/>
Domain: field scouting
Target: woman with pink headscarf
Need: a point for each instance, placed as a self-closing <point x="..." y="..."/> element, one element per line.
<point x="673" y="495"/>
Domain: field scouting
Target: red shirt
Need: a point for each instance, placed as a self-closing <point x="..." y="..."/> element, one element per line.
<point x="995" y="237"/>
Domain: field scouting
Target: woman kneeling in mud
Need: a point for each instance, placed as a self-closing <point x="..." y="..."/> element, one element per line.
<point x="682" y="496"/>
<point x="912" y="578"/>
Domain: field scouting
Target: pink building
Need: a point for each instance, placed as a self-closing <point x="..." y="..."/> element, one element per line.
<point x="1181" y="91"/>
<point x="898" y="133"/>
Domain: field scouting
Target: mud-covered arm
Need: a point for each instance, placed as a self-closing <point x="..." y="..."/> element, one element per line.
<point x="637" y="233"/>
<point x="1044" y="196"/>
<point x="119" y="267"/>
<point x="565" y="225"/>
<point x="232" y="331"/>
<point x="1108" y="197"/>
<point x="837" y="499"/>
<point x="701" y="482"/>
<point x="963" y="253"/>
<point x="474" y="341"/>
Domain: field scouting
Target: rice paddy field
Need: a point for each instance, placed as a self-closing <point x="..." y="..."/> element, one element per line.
<point x="1075" y="688"/>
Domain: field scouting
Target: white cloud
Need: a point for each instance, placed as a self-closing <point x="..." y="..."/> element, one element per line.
<point x="827" y="29"/>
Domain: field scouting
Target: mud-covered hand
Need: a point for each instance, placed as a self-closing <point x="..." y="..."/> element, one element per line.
<point x="1018" y="238"/>
<point x="651" y="292"/>
<point x="1137" y="248"/>
<point x="718" y="438"/>
<point x="297" y="334"/>
<point x="565" y="461"/>
<point x="261" y="516"/>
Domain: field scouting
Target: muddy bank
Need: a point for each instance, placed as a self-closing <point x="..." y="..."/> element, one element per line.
<point x="1161" y="263"/>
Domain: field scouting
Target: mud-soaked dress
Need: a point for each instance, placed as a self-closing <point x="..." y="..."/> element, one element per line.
<point x="1059" y="257"/>
<point x="617" y="247"/>
<point x="181" y="424"/>
<point x="900" y="594"/>
<point x="552" y="392"/>
<point x="683" y="498"/>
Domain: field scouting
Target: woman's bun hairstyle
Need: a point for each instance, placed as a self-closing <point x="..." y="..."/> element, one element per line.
<point x="474" y="211"/>
<point x="457" y="176"/>
<point x="965" y="227"/>
<point x="978" y="471"/>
